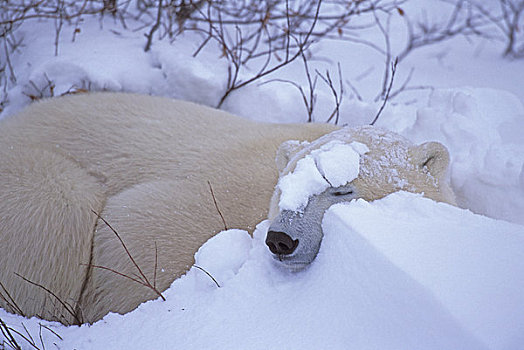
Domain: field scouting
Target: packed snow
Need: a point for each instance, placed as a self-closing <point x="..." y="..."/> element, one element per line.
<point x="334" y="164"/>
<point x="482" y="129"/>
<point x="402" y="272"/>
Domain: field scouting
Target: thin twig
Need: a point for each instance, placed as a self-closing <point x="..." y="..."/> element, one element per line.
<point x="40" y="336"/>
<point x="207" y="273"/>
<point x="52" y="331"/>
<point x="337" y="95"/>
<point x="216" y="205"/>
<point x="156" y="266"/>
<point x="354" y="90"/>
<point x="66" y="306"/>
<point x="6" y="331"/>
<point x="11" y="302"/>
<point x="143" y="280"/>
<point x="154" y="28"/>
<point x="393" y="71"/>
<point x="387" y="42"/>
<point x="137" y="280"/>
<point x="59" y="22"/>
<point x="29" y="335"/>
<point x="312" y="86"/>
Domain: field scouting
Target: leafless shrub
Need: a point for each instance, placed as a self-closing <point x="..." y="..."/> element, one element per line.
<point x="62" y="12"/>
<point x="462" y="20"/>
<point x="309" y="93"/>
<point x="259" y="38"/>
<point x="509" y="20"/>
<point x="240" y="40"/>
<point x="388" y="91"/>
<point x="337" y="94"/>
<point x="14" y="13"/>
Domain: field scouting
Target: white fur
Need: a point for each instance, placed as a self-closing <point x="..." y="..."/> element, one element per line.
<point x="387" y="163"/>
<point x="144" y="164"/>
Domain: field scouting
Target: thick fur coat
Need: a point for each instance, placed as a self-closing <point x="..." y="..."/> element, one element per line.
<point x="153" y="168"/>
<point x="145" y="164"/>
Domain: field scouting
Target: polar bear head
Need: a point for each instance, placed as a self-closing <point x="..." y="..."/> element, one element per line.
<point x="350" y="163"/>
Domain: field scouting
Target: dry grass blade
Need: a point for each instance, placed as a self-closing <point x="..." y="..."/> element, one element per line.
<point x="65" y="305"/>
<point x="216" y="206"/>
<point x="10" y="339"/>
<point x="143" y="280"/>
<point x="8" y="299"/>
<point x="207" y="273"/>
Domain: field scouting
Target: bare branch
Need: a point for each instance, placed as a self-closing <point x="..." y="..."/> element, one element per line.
<point x="302" y="45"/>
<point x="393" y="71"/>
<point x="10" y="301"/>
<point x="337" y="95"/>
<point x="154" y="28"/>
<point x="65" y="305"/>
<point x="142" y="279"/>
<point x="6" y="332"/>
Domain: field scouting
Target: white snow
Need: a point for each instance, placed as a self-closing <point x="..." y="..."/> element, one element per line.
<point x="333" y="164"/>
<point x="402" y="272"/>
<point x="338" y="162"/>
<point x="482" y="129"/>
<point x="473" y="265"/>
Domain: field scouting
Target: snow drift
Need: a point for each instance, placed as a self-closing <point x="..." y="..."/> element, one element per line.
<point x="403" y="272"/>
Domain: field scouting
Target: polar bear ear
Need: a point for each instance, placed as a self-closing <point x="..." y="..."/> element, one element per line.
<point x="432" y="156"/>
<point x="288" y="150"/>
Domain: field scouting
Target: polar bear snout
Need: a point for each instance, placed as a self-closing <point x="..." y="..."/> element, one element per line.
<point x="294" y="238"/>
<point x="280" y="243"/>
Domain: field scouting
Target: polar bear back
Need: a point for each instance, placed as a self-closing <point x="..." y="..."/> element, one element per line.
<point x="147" y="165"/>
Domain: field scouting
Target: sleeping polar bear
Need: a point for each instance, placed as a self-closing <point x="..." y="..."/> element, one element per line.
<point x="147" y="166"/>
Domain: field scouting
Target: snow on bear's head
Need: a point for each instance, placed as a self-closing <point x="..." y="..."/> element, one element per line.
<point x="350" y="163"/>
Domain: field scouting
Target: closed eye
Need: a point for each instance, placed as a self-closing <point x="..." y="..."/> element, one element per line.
<point x="342" y="193"/>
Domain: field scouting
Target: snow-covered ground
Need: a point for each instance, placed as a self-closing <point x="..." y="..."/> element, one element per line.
<point x="399" y="273"/>
<point x="402" y="272"/>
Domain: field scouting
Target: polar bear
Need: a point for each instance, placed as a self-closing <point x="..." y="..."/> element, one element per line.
<point x="383" y="162"/>
<point x="161" y="173"/>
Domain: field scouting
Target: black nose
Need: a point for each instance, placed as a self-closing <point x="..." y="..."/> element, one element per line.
<point x="280" y="243"/>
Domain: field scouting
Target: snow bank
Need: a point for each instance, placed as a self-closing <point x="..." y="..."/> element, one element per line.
<point x="403" y="272"/>
<point x="473" y="265"/>
<point x="333" y="164"/>
<point x="482" y="129"/>
<point x="109" y="59"/>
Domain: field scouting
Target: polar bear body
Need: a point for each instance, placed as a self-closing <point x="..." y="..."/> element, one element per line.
<point x="146" y="165"/>
<point x="152" y="168"/>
